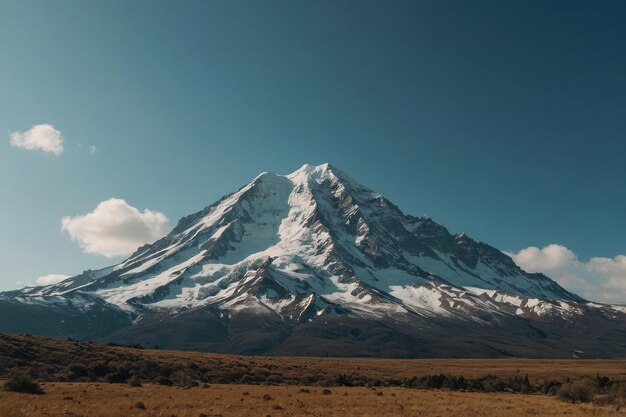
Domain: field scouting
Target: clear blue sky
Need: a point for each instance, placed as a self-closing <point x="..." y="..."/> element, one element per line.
<point x="503" y="119"/>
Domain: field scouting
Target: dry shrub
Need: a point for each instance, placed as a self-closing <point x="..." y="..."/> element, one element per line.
<point x="134" y="381"/>
<point x="616" y="395"/>
<point x="161" y="380"/>
<point x="22" y="383"/>
<point x="77" y="370"/>
<point x="578" y="391"/>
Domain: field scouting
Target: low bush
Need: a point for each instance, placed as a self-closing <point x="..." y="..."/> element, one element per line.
<point x="578" y="391"/>
<point x="134" y="381"/>
<point x="489" y="383"/>
<point x="616" y="394"/>
<point x="161" y="380"/>
<point x="77" y="370"/>
<point x="22" y="383"/>
<point x="550" y="387"/>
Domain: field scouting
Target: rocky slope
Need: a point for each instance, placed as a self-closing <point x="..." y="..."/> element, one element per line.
<point x="314" y="263"/>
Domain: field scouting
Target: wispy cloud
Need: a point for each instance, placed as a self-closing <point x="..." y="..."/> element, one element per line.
<point x="115" y="228"/>
<point x="42" y="137"/>
<point x="51" y="279"/>
<point x="598" y="279"/>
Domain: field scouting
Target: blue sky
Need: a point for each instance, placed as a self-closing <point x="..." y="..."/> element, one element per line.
<point x="503" y="119"/>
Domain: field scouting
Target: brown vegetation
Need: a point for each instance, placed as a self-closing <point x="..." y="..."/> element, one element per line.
<point x="21" y="382"/>
<point x="91" y="379"/>
<point x="52" y="360"/>
<point x="112" y="400"/>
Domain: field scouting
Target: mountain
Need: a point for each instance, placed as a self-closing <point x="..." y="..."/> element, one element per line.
<point x="313" y="263"/>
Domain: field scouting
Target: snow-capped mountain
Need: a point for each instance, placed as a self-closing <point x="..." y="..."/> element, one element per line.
<point x="313" y="257"/>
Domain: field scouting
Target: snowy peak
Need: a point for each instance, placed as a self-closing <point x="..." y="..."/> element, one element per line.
<point x="314" y="263"/>
<point x="307" y="244"/>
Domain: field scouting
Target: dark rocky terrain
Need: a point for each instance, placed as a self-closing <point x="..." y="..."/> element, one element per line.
<point x="315" y="264"/>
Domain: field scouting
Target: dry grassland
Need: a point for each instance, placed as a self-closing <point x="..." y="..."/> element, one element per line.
<point x="116" y="400"/>
<point x="278" y="390"/>
<point x="406" y="368"/>
<point x="50" y="358"/>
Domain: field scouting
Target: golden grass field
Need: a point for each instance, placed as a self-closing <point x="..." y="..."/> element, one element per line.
<point x="536" y="369"/>
<point x="284" y="380"/>
<point x="117" y="400"/>
<point x="51" y="357"/>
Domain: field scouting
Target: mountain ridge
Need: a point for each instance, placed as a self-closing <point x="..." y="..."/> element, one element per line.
<point x="310" y="247"/>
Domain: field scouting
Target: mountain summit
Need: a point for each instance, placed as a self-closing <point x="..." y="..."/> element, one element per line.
<point x="315" y="263"/>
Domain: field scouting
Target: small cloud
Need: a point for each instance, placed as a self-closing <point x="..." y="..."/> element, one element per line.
<point x="51" y="279"/>
<point x="115" y="228"/>
<point x="42" y="137"/>
<point x="92" y="149"/>
<point x="598" y="279"/>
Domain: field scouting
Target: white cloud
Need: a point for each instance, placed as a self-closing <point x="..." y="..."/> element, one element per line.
<point x="115" y="228"/>
<point x="51" y="279"/>
<point x="93" y="149"/>
<point x="598" y="279"/>
<point x="43" y="138"/>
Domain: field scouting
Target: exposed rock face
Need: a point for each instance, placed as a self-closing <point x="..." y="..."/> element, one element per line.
<point x="314" y="263"/>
